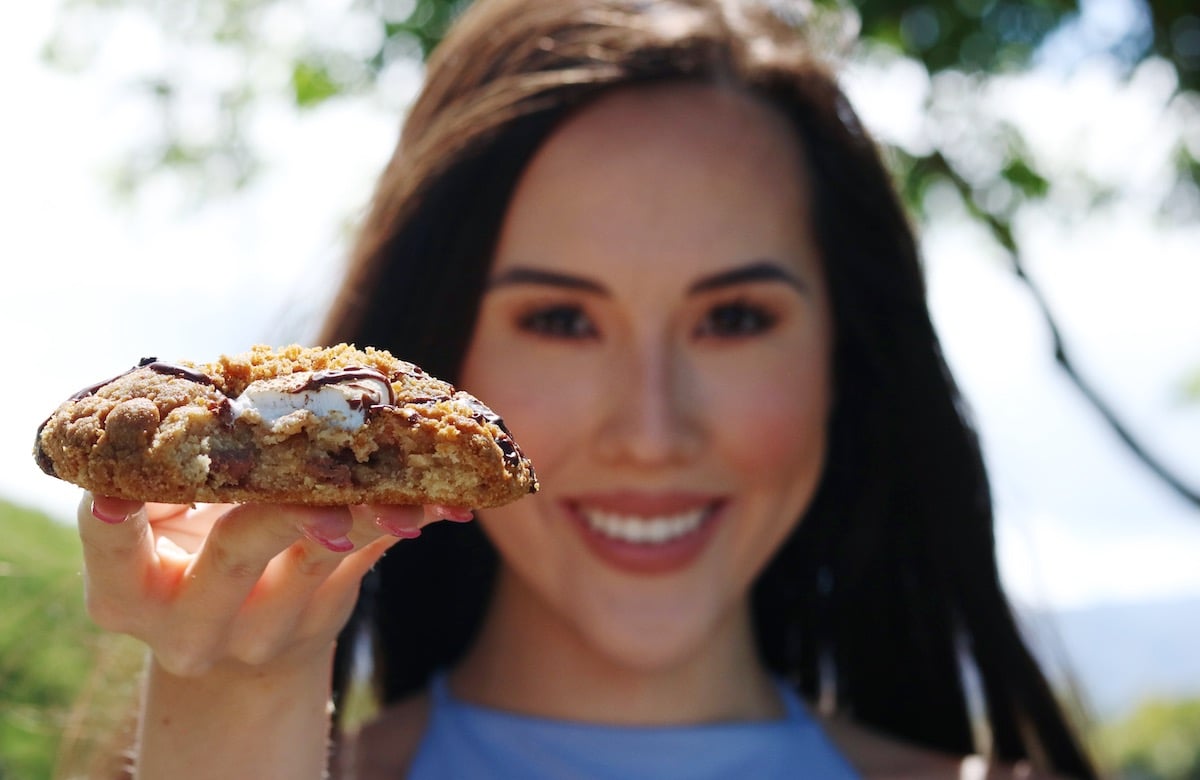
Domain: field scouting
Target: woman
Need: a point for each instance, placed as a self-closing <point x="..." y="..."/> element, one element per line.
<point x="655" y="237"/>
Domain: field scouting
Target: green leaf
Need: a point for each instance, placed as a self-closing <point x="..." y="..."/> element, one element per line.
<point x="1030" y="183"/>
<point x="1191" y="387"/>
<point x="312" y="84"/>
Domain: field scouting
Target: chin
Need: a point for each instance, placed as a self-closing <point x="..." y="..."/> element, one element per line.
<point x="655" y="643"/>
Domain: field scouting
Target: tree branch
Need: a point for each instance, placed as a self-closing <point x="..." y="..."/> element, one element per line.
<point x="1003" y="234"/>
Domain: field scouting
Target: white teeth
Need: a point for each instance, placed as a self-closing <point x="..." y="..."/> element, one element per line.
<point x="644" y="530"/>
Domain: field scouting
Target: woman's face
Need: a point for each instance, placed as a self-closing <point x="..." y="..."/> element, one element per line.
<point x="656" y="333"/>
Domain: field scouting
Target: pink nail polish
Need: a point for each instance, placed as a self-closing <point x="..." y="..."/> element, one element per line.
<point x="455" y="514"/>
<point x="397" y="530"/>
<point x="335" y="544"/>
<point x="96" y="513"/>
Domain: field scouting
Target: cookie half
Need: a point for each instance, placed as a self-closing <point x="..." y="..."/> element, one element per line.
<point x="318" y="426"/>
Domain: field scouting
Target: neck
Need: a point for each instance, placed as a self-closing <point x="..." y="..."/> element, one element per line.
<point x="527" y="660"/>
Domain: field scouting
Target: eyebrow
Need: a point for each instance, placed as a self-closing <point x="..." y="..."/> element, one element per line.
<point x="754" y="271"/>
<point x="536" y="276"/>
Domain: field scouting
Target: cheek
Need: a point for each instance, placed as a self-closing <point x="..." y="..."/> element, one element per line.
<point x="773" y="422"/>
<point x="775" y="448"/>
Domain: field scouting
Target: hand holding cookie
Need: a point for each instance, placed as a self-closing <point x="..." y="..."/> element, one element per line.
<point x="246" y="584"/>
<point x="240" y="607"/>
<point x="320" y="460"/>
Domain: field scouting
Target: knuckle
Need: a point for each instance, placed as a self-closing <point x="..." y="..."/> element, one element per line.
<point x="228" y="563"/>
<point x="110" y="549"/>
<point x="309" y="562"/>
<point x="184" y="659"/>
<point x="257" y="649"/>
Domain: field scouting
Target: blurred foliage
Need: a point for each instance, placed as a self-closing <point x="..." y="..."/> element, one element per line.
<point x="44" y="655"/>
<point x="1160" y="740"/>
<point x="1191" y="387"/>
<point x="317" y="50"/>
<point x="971" y="35"/>
<point x="50" y="654"/>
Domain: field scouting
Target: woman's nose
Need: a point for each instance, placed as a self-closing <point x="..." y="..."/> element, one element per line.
<point x="651" y="409"/>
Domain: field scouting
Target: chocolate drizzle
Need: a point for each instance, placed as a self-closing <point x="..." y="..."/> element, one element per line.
<point x="170" y="369"/>
<point x="91" y="389"/>
<point x="482" y="414"/>
<point x="155" y="365"/>
<point x="224" y="412"/>
<point x="351" y="375"/>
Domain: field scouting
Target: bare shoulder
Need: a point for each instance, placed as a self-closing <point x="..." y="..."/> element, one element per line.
<point x="878" y="756"/>
<point x="386" y="746"/>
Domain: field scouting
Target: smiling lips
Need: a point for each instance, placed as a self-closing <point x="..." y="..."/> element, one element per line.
<point x="646" y="536"/>
<point x="644" y="530"/>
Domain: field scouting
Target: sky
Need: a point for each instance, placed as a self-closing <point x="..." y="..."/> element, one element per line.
<point x="93" y="284"/>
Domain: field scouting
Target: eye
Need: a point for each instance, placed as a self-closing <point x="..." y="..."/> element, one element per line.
<point x="564" y="321"/>
<point x="735" y="319"/>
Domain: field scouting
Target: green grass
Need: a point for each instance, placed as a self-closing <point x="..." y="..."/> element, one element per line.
<point x="1158" y="741"/>
<point x="50" y="652"/>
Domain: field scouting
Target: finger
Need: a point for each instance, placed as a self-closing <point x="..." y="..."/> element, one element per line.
<point x="304" y="566"/>
<point x="160" y="512"/>
<point x="407" y="521"/>
<point x="115" y="510"/>
<point x="112" y="511"/>
<point x="245" y="538"/>
<point x="187" y="527"/>
<point x="454" y="514"/>
<point x="402" y="521"/>
<point x="237" y="549"/>
<point x="220" y="577"/>
<point x="118" y="555"/>
<point x="281" y="612"/>
<point x="338" y="593"/>
<point x="376" y="528"/>
<point x="335" y="598"/>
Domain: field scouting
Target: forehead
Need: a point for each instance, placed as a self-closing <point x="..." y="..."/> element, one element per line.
<point x="699" y="106"/>
<point x="662" y="170"/>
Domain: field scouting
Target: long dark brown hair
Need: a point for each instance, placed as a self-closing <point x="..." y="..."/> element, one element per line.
<point x="887" y="596"/>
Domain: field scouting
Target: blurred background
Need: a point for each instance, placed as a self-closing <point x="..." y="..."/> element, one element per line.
<point x="180" y="180"/>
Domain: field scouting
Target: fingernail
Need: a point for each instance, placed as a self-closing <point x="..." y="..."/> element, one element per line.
<point x="455" y="514"/>
<point x="333" y="543"/>
<point x="397" y="530"/>
<point x="96" y="513"/>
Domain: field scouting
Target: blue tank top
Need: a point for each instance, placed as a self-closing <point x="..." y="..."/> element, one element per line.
<point x="468" y="741"/>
